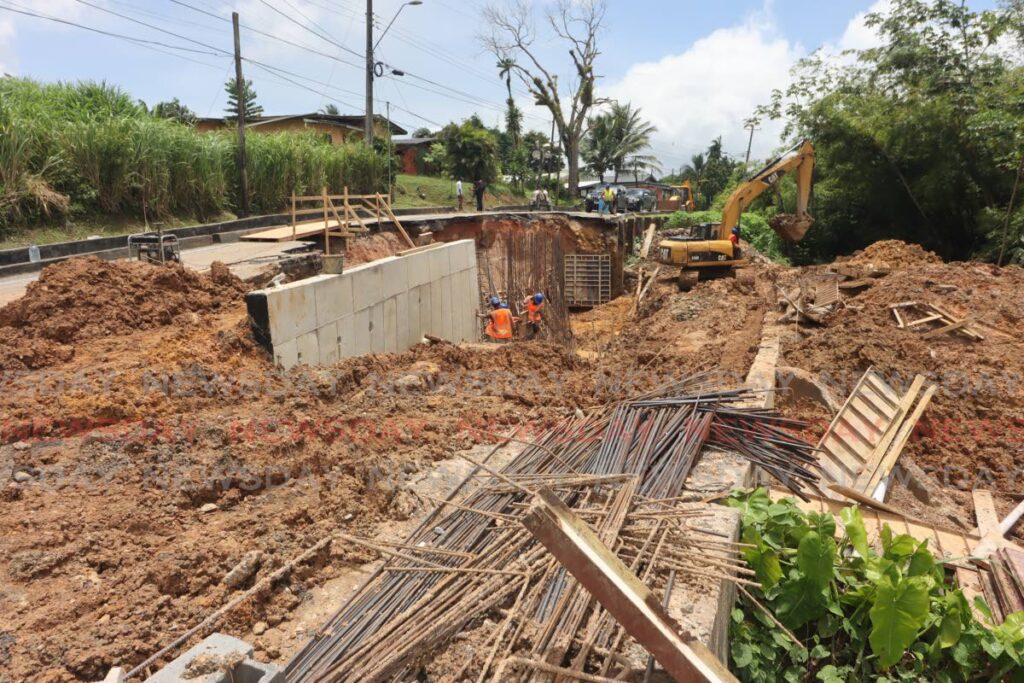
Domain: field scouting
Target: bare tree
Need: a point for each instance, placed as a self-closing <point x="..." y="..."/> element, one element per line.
<point x="513" y="37"/>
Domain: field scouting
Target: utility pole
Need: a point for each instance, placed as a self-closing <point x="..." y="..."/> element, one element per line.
<point x="368" y="132"/>
<point x="243" y="176"/>
<point x="751" y="126"/>
<point x="391" y="152"/>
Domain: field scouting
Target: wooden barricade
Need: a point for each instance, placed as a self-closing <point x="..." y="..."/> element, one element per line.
<point x="343" y="215"/>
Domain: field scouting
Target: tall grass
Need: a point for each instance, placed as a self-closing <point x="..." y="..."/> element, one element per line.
<point x="89" y="148"/>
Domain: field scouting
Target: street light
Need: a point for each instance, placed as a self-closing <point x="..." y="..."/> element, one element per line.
<point x="371" y="64"/>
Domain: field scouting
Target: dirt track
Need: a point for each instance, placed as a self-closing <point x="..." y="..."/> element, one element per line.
<point x="111" y="451"/>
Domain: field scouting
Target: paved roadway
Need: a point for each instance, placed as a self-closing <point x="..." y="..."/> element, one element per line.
<point x="237" y="255"/>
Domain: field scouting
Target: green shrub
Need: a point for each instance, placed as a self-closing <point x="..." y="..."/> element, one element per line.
<point x="89" y="147"/>
<point x="754" y="229"/>
<point x="859" y="615"/>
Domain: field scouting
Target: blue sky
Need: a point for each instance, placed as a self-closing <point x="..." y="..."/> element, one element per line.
<point x="696" y="68"/>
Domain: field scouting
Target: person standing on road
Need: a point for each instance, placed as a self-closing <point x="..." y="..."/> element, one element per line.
<point x="478" y="190"/>
<point x="458" y="192"/>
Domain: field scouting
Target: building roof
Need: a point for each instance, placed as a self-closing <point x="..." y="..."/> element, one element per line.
<point x="412" y="142"/>
<point x="353" y="121"/>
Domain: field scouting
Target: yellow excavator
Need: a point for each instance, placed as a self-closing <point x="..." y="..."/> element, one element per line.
<point x="707" y="252"/>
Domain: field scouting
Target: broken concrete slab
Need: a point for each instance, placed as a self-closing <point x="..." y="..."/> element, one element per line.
<point x="220" y="648"/>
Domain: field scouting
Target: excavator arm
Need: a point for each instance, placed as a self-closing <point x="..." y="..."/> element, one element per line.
<point x="790" y="227"/>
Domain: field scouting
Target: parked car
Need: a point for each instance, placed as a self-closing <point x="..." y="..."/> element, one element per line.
<point x="591" y="202"/>
<point x="639" y="199"/>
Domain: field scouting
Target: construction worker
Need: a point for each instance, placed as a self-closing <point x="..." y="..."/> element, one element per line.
<point x="534" y="304"/>
<point x="500" y="322"/>
<point x="734" y="238"/>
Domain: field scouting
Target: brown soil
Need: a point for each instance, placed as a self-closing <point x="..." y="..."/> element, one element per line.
<point x="374" y="246"/>
<point x="106" y="552"/>
<point x="971" y="433"/>
<point x="160" y="405"/>
<point x="87" y="298"/>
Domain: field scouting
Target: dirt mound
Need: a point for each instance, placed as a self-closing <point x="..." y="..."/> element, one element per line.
<point x="895" y="254"/>
<point x="87" y="298"/>
<point x="372" y="247"/>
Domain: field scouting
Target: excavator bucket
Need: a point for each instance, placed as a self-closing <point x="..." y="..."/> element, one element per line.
<point x="791" y="227"/>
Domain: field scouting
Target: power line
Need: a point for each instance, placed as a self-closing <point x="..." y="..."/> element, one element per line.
<point x="315" y="33"/>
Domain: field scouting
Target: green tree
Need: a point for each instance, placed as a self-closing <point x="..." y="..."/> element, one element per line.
<point x="422" y="133"/>
<point x="920" y="138"/>
<point x="616" y="140"/>
<point x="248" y="105"/>
<point x="174" y="110"/>
<point x="329" y="109"/>
<point x="470" y="150"/>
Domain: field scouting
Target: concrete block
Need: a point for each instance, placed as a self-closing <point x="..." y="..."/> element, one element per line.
<point x="394" y="276"/>
<point x="286" y="354"/>
<point x="436" y="324"/>
<point x="390" y="326"/>
<point x="414" y="302"/>
<point x="465" y="297"/>
<point x="418" y="265"/>
<point x="402" y="334"/>
<point x="309" y="349"/>
<point x="355" y="333"/>
<point x="329" y="343"/>
<point x="366" y="285"/>
<point x="440" y="263"/>
<point x="291" y="311"/>
<point x="462" y="255"/>
<point x="219" y="645"/>
<point x="333" y="299"/>
<point x="377" y="328"/>
<point x="446" y="307"/>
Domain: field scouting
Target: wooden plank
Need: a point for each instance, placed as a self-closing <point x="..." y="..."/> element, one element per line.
<point x="903" y="304"/>
<point x="619" y="591"/>
<point x="896" y="448"/>
<point x="648" y="240"/>
<point x="944" y="329"/>
<point x="985" y="511"/>
<point x="926" y="319"/>
<point x="283" y="233"/>
<point x="873" y="463"/>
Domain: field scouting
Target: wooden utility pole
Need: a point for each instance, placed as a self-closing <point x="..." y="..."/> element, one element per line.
<point x="243" y="176"/>
<point x="368" y="123"/>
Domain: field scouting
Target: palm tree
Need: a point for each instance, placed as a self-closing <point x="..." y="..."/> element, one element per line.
<point x="330" y="109"/>
<point x="615" y="138"/>
<point x="513" y="118"/>
<point x="694" y="171"/>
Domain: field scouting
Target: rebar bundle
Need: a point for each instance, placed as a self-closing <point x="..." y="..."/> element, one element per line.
<point x="622" y="471"/>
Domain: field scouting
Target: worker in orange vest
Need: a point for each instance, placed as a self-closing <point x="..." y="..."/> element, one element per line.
<point x="534" y="305"/>
<point x="499" y="325"/>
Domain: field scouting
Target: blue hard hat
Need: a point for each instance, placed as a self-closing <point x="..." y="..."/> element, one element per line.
<point x="736" y="230"/>
<point x="495" y="301"/>
<point x="538" y="298"/>
<point x="504" y="305"/>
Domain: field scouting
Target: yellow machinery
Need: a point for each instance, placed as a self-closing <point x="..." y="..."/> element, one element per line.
<point x="684" y="194"/>
<point x="707" y="251"/>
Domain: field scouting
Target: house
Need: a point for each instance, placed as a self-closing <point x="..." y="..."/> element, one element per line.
<point x="411" y="152"/>
<point x="335" y="128"/>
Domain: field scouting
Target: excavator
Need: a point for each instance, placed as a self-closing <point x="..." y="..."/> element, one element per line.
<point x="707" y="253"/>
<point x="684" y="193"/>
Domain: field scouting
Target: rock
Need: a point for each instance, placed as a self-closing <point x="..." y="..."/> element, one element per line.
<point x="348" y="517"/>
<point x="244" y="570"/>
<point x="21" y="476"/>
<point x="410" y="383"/>
<point x="410" y="467"/>
<point x="105" y="619"/>
<point x="22" y="445"/>
<point x="209" y="507"/>
<point x="259" y="628"/>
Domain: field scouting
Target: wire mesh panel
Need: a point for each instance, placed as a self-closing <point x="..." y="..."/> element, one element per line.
<point x="588" y="279"/>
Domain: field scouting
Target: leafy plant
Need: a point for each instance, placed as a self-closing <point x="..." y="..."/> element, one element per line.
<point x="859" y="615"/>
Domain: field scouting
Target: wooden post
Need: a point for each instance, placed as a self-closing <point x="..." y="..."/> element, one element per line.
<point x="243" y="176"/>
<point x="294" y="227"/>
<point x="327" y="228"/>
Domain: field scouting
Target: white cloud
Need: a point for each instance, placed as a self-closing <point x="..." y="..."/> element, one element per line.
<point x="710" y="89"/>
<point x="859" y="36"/>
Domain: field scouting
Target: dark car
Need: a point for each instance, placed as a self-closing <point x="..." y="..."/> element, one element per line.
<point x="591" y="202"/>
<point x="639" y="199"/>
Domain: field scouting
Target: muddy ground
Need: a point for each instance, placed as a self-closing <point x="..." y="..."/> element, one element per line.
<point x="140" y="467"/>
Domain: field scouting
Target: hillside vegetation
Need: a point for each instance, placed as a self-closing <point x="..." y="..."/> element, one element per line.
<point x="88" y="149"/>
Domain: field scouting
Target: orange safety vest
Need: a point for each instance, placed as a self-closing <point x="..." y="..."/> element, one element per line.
<point x="533" y="310"/>
<point x="500" y="326"/>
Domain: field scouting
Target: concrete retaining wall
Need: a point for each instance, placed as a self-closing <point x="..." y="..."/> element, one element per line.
<point x="379" y="307"/>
